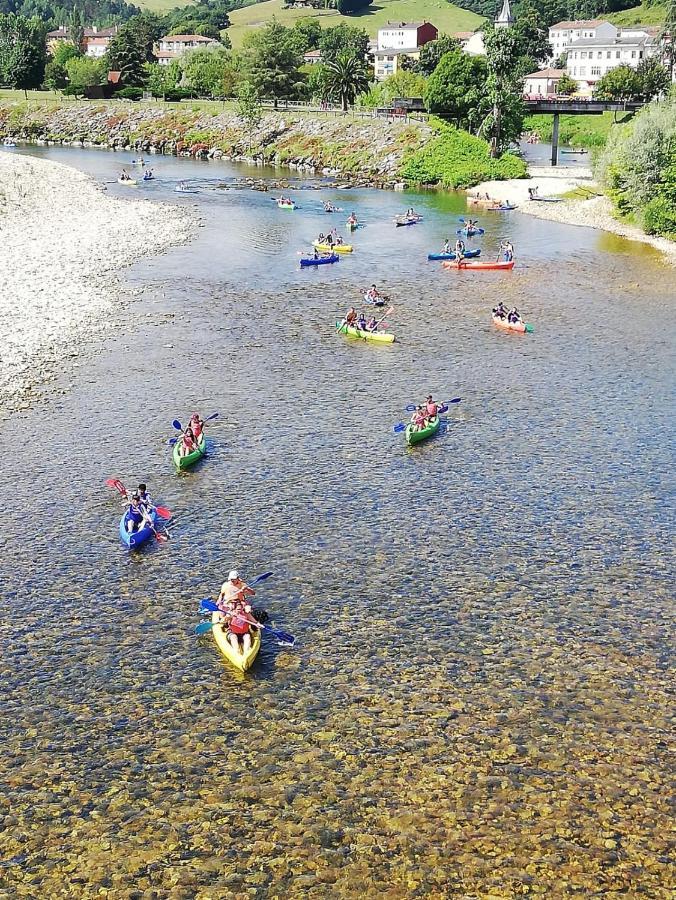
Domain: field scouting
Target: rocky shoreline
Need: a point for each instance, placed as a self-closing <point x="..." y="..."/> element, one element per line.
<point x="362" y="152"/>
<point x="65" y="242"/>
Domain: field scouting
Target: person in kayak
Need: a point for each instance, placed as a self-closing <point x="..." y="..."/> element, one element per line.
<point x="500" y="311"/>
<point x="372" y="324"/>
<point x="418" y="419"/>
<point x="447" y="246"/>
<point x="196" y="425"/>
<point x="431" y="409"/>
<point x="188" y="443"/>
<point x="124" y="176"/>
<point x="459" y="249"/>
<point x="144" y="497"/>
<point x="513" y="316"/>
<point x="373" y="295"/>
<point x="137" y="516"/>
<point x="351" y="317"/>
<point x="361" y="322"/>
<point x="232" y="601"/>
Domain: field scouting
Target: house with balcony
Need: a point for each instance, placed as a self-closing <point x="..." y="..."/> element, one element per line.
<point x="95" y="40"/>
<point x="397" y="40"/>
<point x="173" y="46"/>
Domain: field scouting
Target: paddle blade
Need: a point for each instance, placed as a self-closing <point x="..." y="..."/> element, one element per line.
<point x="177" y="425"/>
<point x="212" y="416"/>
<point x="282" y="636"/>
<point x="411" y="407"/>
<point x="203" y="627"/>
<point x="117" y="484"/>
<point x="161" y="538"/>
<point x="454" y="400"/>
<point x="443" y="408"/>
<point x="399" y="427"/>
<point x="173" y="441"/>
<point x="262" y="578"/>
<point x="209" y="604"/>
<point x="163" y="512"/>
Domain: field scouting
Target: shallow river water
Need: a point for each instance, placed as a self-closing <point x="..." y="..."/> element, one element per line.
<point x="477" y="704"/>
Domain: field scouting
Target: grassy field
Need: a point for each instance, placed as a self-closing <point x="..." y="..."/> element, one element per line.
<point x="577" y="131"/>
<point x="161" y="6"/>
<point x="445" y="16"/>
<point x="639" y="15"/>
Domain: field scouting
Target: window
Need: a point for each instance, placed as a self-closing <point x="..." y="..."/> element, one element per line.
<point x="583" y="71"/>
<point x="583" y="54"/>
<point x="633" y="54"/>
<point x="596" y="70"/>
<point x="617" y="54"/>
<point x="574" y="70"/>
<point x="608" y="55"/>
<point x="640" y="54"/>
<point x="599" y="55"/>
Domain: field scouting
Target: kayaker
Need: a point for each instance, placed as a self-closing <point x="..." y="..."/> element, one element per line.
<point x="372" y="323"/>
<point x="316" y="255"/>
<point x="507" y="251"/>
<point x="137" y="516"/>
<point x="339" y="240"/>
<point x="431" y="409"/>
<point x="500" y="311"/>
<point x="236" y="611"/>
<point x="361" y="322"/>
<point x="447" y="246"/>
<point x="418" y="418"/>
<point x="124" y="176"/>
<point x="188" y="443"/>
<point x="513" y="316"/>
<point x="329" y="240"/>
<point x="197" y="425"/>
<point x="144" y="496"/>
<point x="351" y="317"/>
<point x="234" y="589"/>
<point x="373" y="295"/>
<point x="460" y="248"/>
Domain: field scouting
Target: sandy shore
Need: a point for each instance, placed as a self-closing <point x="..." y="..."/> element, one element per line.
<point x="595" y="212"/>
<point x="63" y="242"/>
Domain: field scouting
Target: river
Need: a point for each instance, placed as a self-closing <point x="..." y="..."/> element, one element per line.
<point x="477" y="703"/>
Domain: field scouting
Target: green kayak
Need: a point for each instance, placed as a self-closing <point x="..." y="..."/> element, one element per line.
<point x="414" y="437"/>
<point x="184" y="462"/>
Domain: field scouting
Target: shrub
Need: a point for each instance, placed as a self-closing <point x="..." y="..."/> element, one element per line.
<point x="174" y="95"/>
<point x="457" y="159"/>
<point x="129" y="93"/>
<point x="659" y="217"/>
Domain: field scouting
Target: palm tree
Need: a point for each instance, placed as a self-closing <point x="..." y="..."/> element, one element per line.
<point x="346" y="77"/>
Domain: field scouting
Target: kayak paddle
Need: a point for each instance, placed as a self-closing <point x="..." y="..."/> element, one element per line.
<point x="208" y="604"/>
<point x="412" y="407"/>
<point x="161" y="511"/>
<point x="177" y="425"/>
<point x="283" y="636"/>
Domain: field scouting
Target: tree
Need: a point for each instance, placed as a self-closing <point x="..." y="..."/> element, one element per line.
<point x="63" y="51"/>
<point x="275" y="63"/>
<point x="433" y="51"/>
<point x="160" y="79"/>
<point x="204" y="71"/>
<point x="345" y="7"/>
<point x="566" y="85"/>
<point x="403" y="84"/>
<point x="346" y="77"/>
<point x="456" y="86"/>
<point x="306" y="34"/>
<point x="56" y="77"/>
<point x="131" y="49"/>
<point x="249" y="108"/>
<point x="667" y="38"/>
<point x="503" y="123"/>
<point x="533" y="39"/>
<point x="22" y="52"/>
<point x="620" y="83"/>
<point x="75" y="28"/>
<point x="83" y="72"/>
<point x="654" y="78"/>
<point x="343" y="37"/>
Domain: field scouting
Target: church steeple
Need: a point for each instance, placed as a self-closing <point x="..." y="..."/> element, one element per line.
<point x="504" y="18"/>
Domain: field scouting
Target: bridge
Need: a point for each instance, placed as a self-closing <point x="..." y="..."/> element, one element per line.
<point x="573" y="107"/>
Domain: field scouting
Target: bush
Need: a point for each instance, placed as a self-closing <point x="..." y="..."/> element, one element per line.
<point x="174" y="95"/>
<point x="129" y="93"/>
<point x="457" y="159"/>
<point x="639" y="171"/>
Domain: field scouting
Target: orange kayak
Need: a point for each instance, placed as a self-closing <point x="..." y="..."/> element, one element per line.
<point x="479" y="265"/>
<point x="521" y="327"/>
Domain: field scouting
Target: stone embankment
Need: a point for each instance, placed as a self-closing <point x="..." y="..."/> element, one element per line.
<point x="359" y="150"/>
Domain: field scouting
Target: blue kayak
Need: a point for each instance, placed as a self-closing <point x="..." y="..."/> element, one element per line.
<point x="468" y="254"/>
<point x="322" y="261"/>
<point x="136" y="538"/>
<point x="400" y="224"/>
<point x="470" y="232"/>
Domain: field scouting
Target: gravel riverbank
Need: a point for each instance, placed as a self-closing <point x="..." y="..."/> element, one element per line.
<point x="594" y="212"/>
<point x="64" y="242"/>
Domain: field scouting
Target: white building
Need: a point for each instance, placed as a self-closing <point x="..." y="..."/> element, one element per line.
<point x="471" y="42"/>
<point x="589" y="59"/>
<point x="397" y="39"/>
<point x="562" y="35"/>
<point x="171" y="46"/>
<point x="544" y="83"/>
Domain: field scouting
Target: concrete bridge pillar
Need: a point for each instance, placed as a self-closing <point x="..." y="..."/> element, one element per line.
<point x="555" y="139"/>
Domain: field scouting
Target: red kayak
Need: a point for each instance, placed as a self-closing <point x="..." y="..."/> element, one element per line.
<point x="479" y="265"/>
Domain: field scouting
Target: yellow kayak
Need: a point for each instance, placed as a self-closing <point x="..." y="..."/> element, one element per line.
<point x="380" y="337"/>
<point x="336" y="248"/>
<point x="241" y="661"/>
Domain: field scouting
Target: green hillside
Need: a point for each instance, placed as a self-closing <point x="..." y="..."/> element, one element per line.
<point x="639" y="15"/>
<point x="161" y="6"/>
<point x="445" y="16"/>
